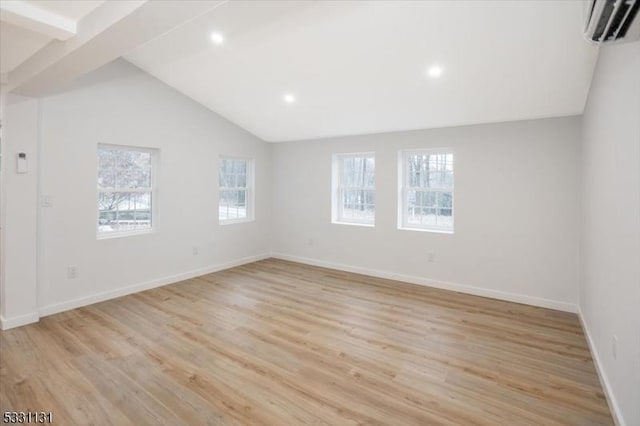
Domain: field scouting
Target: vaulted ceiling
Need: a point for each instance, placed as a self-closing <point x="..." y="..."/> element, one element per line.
<point x="363" y="67"/>
<point x="288" y="70"/>
<point x="21" y="36"/>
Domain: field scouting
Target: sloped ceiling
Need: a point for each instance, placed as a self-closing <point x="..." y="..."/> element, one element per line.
<point x="362" y="67"/>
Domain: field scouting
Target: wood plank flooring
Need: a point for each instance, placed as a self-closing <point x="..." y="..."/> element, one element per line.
<point x="281" y="343"/>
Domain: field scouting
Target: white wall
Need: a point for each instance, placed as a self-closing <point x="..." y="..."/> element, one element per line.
<point x="516" y="203"/>
<point x="120" y="104"/>
<point x="18" y="294"/>
<point x="610" y="247"/>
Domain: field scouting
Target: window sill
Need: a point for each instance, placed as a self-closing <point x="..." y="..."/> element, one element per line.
<point x="435" y="231"/>
<point x="123" y="234"/>
<point x="364" y="225"/>
<point x="234" y="221"/>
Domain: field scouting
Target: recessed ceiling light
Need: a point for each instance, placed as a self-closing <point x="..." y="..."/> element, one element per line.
<point x="217" y="38"/>
<point x="289" y="98"/>
<point x="435" y="71"/>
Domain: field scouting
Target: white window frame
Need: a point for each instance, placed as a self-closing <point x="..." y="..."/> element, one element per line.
<point x="153" y="189"/>
<point x="337" y="188"/>
<point x="249" y="188"/>
<point x="404" y="188"/>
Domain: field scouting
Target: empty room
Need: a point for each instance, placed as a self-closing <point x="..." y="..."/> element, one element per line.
<point x="320" y="212"/>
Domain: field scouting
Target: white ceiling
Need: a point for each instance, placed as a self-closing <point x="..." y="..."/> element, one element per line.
<point x="360" y="67"/>
<point x="81" y="36"/>
<point x="72" y="9"/>
<point x="354" y="67"/>
<point x="19" y="42"/>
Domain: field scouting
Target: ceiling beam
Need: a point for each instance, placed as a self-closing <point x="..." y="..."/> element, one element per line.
<point x="112" y="30"/>
<point x="30" y="17"/>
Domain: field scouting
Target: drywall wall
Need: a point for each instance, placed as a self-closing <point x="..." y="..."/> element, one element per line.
<point x="120" y="104"/>
<point x="610" y="238"/>
<point x="516" y="200"/>
<point x="18" y="294"/>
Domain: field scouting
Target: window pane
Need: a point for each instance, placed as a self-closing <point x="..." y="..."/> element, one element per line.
<point x="120" y="170"/>
<point x="231" y="181"/>
<point x="223" y="172"/>
<point x="358" y="204"/>
<point x="421" y="208"/>
<point x="369" y="197"/>
<point x="241" y="166"/>
<point x="355" y="191"/>
<point x="124" y="211"/>
<point x="348" y="172"/>
<point x="241" y="180"/>
<point x="358" y="165"/>
<point x="224" y="166"/>
<point x="124" y="203"/>
<point x="428" y="182"/>
<point x="232" y="173"/>
<point x="358" y="172"/>
<point x="445" y="218"/>
<point x="106" y="168"/>
<point x="446" y="200"/>
<point x="429" y="208"/>
<point x="414" y="163"/>
<point x="232" y="204"/>
<point x="224" y="169"/>
<point x="133" y="169"/>
<point x="142" y="205"/>
<point x="123" y="168"/>
<point x="370" y="176"/>
<point x="430" y="171"/>
<point x="233" y="189"/>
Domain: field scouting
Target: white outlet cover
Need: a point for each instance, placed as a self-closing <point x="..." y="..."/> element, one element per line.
<point x="72" y="271"/>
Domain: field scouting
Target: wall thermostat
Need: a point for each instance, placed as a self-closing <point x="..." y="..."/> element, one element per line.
<point x="22" y="163"/>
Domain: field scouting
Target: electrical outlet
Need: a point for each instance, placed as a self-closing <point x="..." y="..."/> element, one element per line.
<point x="431" y="256"/>
<point x="195" y="250"/>
<point x="72" y="272"/>
<point x="310" y="242"/>
<point x="614" y="346"/>
<point x="47" y="201"/>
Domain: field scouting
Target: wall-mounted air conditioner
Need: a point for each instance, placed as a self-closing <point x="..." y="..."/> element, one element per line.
<point x="613" y="21"/>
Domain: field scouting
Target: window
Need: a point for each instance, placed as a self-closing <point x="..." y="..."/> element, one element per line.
<point x="426" y="178"/>
<point x="353" y="196"/>
<point x="125" y="190"/>
<point x="235" y="201"/>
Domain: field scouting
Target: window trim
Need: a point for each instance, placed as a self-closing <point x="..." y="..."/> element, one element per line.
<point x="154" y="152"/>
<point x="337" y="166"/>
<point x="250" y="181"/>
<point x="403" y="190"/>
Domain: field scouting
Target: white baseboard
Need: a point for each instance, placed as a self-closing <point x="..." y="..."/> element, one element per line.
<point x="462" y="288"/>
<point x="604" y="381"/>
<point x="123" y="291"/>
<point x="12" y="322"/>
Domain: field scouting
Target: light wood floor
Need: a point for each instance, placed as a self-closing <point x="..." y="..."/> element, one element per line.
<point x="281" y="343"/>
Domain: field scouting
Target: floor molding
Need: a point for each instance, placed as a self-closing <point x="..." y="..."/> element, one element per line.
<point x="462" y="288"/>
<point x="123" y="291"/>
<point x="12" y="322"/>
<point x="604" y="381"/>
